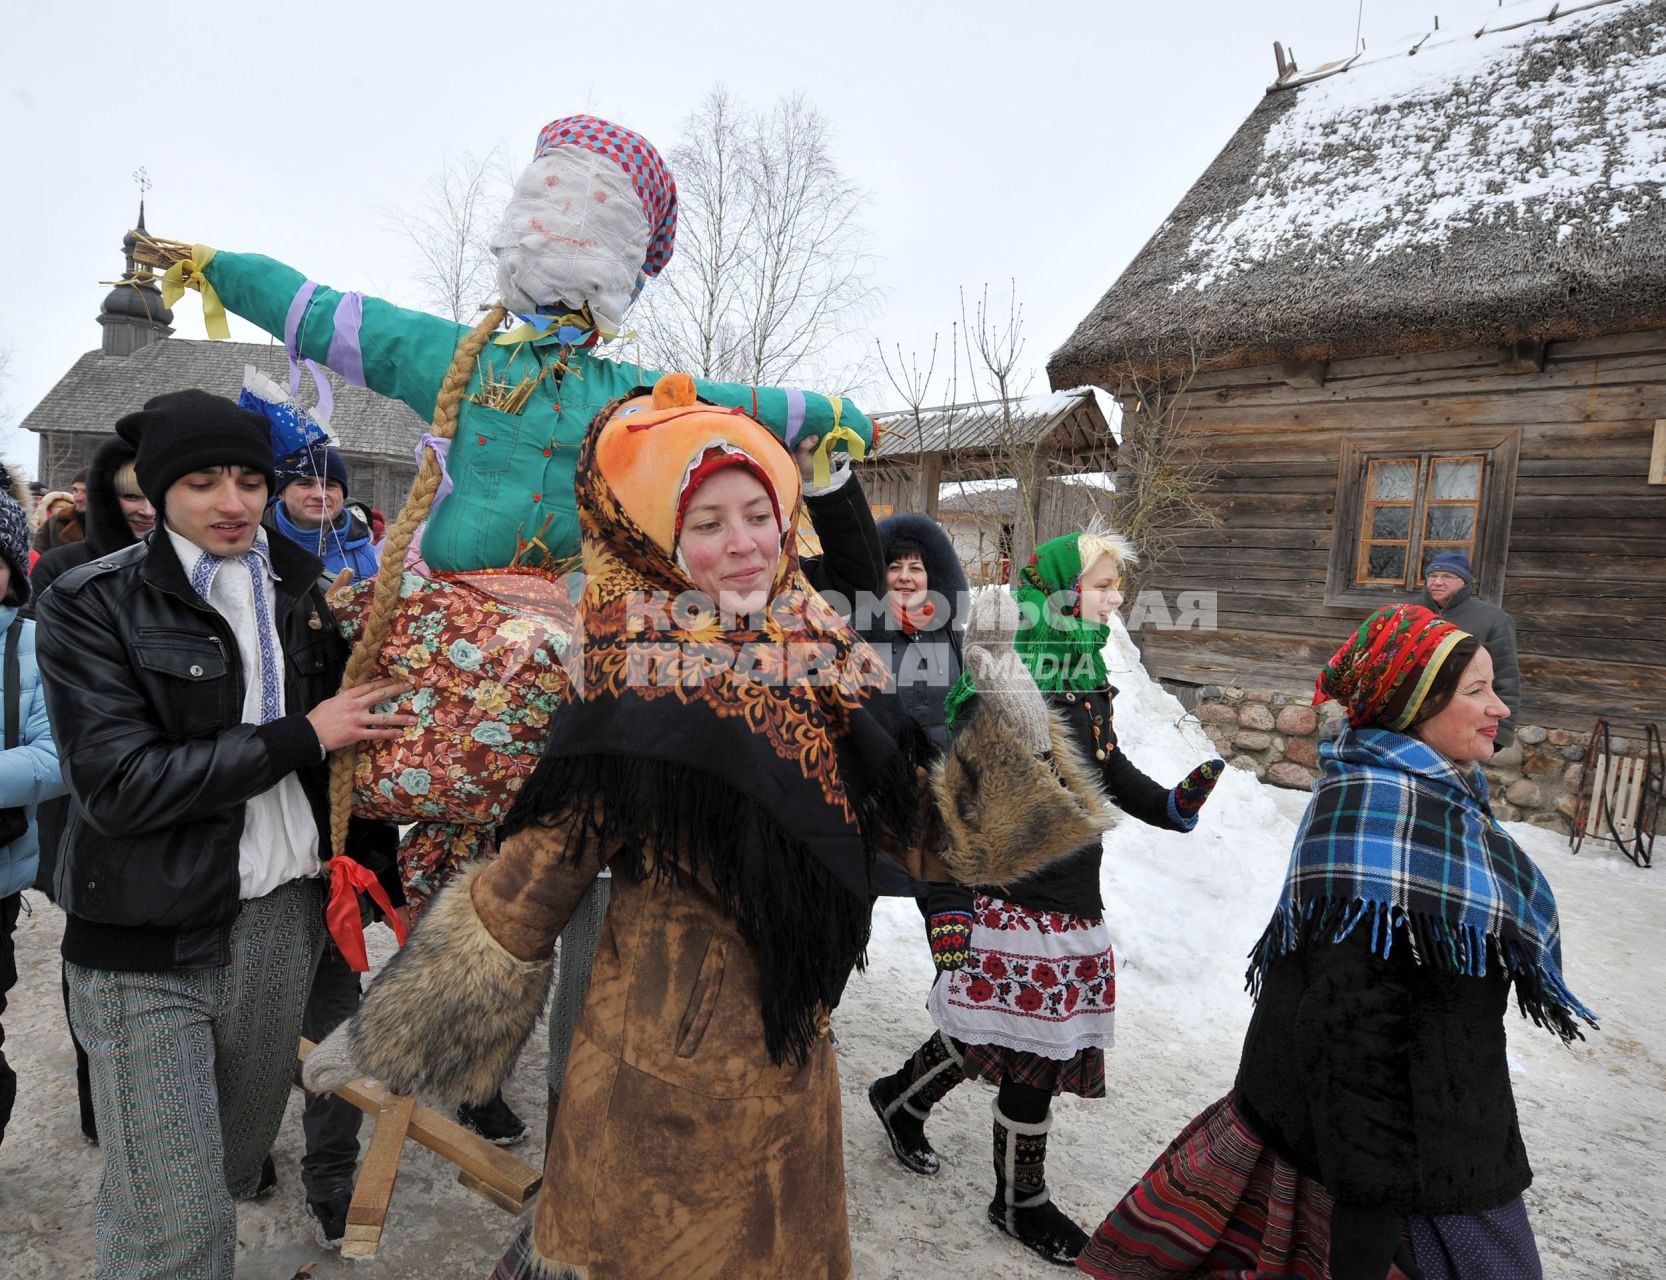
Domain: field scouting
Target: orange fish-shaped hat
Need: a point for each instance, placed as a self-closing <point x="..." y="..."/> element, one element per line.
<point x="656" y="447"/>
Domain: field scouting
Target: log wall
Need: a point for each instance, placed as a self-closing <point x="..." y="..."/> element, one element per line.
<point x="1585" y="579"/>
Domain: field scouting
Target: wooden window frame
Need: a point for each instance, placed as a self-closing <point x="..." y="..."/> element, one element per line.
<point x="1499" y="448"/>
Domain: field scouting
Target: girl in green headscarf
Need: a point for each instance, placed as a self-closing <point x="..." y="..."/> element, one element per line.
<point x="1026" y="996"/>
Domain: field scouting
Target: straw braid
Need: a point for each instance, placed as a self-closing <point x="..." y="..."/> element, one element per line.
<point x="384" y="603"/>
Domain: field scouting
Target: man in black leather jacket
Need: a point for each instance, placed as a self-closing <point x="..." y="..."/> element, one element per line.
<point x="191" y="680"/>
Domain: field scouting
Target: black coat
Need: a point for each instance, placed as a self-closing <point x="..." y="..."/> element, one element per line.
<point x="1384" y="1079"/>
<point x="923" y="666"/>
<point x="107" y="532"/>
<point x="144" y="687"/>
<point x="849" y="566"/>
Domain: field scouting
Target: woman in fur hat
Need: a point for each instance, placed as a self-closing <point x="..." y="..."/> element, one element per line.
<point x="1372" y="1130"/>
<point x="117" y="515"/>
<point x="733" y="768"/>
<point x="57" y="523"/>
<point x="1026" y="990"/>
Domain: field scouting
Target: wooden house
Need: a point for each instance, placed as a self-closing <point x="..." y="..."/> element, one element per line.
<point x="1418" y="303"/>
<point x="958" y="463"/>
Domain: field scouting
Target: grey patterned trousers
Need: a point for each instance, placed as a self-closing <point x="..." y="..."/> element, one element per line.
<point x="572" y="975"/>
<point x="190" y="1072"/>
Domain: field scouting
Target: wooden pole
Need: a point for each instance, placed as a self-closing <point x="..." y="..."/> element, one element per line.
<point x="488" y="1171"/>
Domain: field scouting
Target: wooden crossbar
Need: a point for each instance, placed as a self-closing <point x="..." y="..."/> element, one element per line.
<point x="488" y="1171"/>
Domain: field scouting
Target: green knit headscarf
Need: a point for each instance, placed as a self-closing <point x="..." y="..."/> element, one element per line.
<point x="1061" y="649"/>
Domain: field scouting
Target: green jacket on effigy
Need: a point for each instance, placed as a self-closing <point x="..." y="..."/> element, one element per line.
<point x="528" y="403"/>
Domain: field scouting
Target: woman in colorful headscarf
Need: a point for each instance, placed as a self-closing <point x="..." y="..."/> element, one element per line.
<point x="1372" y="1130"/>
<point x="1026" y="994"/>
<point x="723" y="754"/>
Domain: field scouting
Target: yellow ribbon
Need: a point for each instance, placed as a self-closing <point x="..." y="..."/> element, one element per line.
<point x="188" y="274"/>
<point x="821" y="470"/>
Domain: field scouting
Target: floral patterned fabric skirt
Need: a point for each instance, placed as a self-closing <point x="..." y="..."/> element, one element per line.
<point x="1037" y="1001"/>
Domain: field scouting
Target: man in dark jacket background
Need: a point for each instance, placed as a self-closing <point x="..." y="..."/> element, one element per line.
<point x="1448" y="591"/>
<point x="190" y="681"/>
<point x="309" y="511"/>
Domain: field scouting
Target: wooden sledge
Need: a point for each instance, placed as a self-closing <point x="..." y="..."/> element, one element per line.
<point x="1619" y="798"/>
<point x="488" y="1171"/>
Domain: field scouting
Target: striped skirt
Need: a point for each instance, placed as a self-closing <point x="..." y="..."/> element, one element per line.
<point x="1220" y="1204"/>
<point x="1217" y="1203"/>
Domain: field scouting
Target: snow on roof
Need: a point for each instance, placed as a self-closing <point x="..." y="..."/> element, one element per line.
<point x="1461" y="186"/>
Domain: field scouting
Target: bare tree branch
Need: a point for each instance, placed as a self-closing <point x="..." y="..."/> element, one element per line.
<point x="769" y="272"/>
<point x="450" y="229"/>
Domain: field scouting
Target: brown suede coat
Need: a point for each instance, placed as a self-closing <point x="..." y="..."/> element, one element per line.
<point x="679" y="1148"/>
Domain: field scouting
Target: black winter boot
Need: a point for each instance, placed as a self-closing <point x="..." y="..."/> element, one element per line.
<point x="1022" y="1207"/>
<point x="494" y="1121"/>
<point x="904" y="1099"/>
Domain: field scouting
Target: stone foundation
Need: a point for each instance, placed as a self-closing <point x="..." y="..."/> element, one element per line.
<point x="1276" y="737"/>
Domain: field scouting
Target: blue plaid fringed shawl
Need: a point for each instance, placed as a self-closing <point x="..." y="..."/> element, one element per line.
<point x="1396" y="837"/>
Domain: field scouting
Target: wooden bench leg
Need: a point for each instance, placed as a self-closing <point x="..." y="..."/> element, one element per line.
<point x="374" y="1189"/>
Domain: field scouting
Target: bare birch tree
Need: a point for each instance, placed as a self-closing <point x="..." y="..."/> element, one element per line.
<point x="449" y="231"/>
<point x="769" y="273"/>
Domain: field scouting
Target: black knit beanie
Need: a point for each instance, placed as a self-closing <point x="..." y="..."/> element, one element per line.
<point x="185" y="431"/>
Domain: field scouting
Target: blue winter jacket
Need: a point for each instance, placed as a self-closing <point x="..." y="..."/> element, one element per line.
<point x="29" y="772"/>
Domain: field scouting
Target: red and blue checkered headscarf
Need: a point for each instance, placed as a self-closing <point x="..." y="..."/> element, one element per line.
<point x="637" y="157"/>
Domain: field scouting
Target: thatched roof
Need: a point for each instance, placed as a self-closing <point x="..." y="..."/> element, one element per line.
<point x="981" y="427"/>
<point x="100" y="388"/>
<point x="1462" y="188"/>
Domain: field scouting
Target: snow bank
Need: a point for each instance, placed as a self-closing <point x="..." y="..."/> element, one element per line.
<point x="1184" y="909"/>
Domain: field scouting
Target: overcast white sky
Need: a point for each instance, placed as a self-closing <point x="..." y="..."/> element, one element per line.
<point x="1042" y="142"/>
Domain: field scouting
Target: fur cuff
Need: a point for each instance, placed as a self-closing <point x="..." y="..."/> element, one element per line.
<point x="1009" y="813"/>
<point x="448" y="1014"/>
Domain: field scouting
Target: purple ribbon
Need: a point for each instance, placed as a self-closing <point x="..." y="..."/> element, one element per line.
<point x="441" y="448"/>
<point x="292" y="346"/>
<point x="345" y="356"/>
<point x="292" y="332"/>
<point x="795" y="414"/>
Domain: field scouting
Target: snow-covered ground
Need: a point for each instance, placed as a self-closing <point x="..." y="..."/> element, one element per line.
<point x="1183" y="911"/>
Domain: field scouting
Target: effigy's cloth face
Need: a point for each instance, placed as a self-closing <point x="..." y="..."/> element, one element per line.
<point x="486" y="654"/>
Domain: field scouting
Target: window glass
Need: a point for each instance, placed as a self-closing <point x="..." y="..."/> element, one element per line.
<point x="1386" y="562"/>
<point x="1455" y="478"/>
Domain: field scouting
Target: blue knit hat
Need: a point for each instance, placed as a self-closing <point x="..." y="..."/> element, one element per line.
<point x="1450" y="562"/>
<point x="320" y="459"/>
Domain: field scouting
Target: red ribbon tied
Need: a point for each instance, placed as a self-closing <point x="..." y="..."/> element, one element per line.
<point x="348" y="879"/>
